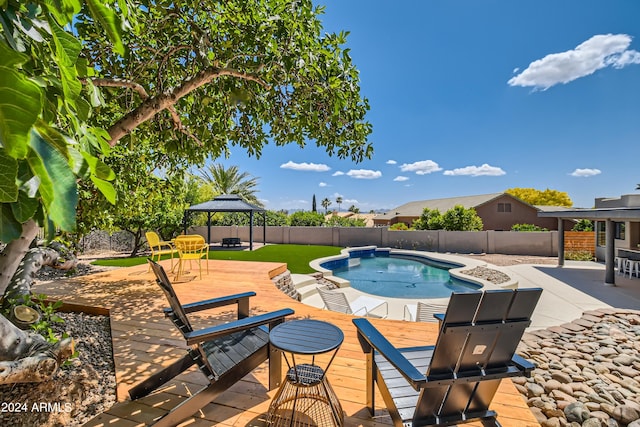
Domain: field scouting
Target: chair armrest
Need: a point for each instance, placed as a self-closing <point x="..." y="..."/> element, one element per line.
<point x="370" y="338"/>
<point x="212" y="332"/>
<point x="212" y="303"/>
<point x="523" y="364"/>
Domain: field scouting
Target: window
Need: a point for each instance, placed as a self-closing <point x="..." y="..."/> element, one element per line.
<point x="504" y="207"/>
<point x="601" y="233"/>
<point x="619" y="230"/>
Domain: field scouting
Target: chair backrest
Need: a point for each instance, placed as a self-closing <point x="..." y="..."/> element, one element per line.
<point x="425" y="311"/>
<point x="152" y="239"/>
<point x="190" y="245"/>
<point x="335" y="301"/>
<point x="178" y="315"/>
<point x="478" y="336"/>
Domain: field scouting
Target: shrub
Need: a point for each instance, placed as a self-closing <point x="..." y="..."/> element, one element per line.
<point x="527" y="227"/>
<point x="578" y="255"/>
<point x="398" y="226"/>
<point x="583" y="225"/>
<point x="306" y="219"/>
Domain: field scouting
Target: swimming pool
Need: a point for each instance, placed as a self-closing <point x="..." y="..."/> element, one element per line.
<point x="382" y="274"/>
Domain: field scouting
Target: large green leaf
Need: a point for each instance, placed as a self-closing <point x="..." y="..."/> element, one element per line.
<point x="62" y="209"/>
<point x="10" y="57"/>
<point x="99" y="168"/>
<point x="8" y="174"/>
<point x="20" y="104"/>
<point x="109" y="21"/>
<point x="67" y="49"/>
<point x="25" y="207"/>
<point x="53" y="137"/>
<point x="10" y="229"/>
<point x="106" y="188"/>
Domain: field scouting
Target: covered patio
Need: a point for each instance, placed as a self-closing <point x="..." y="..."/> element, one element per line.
<point x="144" y="341"/>
<point x="609" y="216"/>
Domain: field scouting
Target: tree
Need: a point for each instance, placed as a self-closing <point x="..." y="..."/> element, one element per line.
<point x="325" y="204"/>
<point x="339" y="202"/>
<point x="430" y="219"/>
<point x="306" y="219"/>
<point x="231" y="181"/>
<point x="460" y="218"/>
<point x="354" y="209"/>
<point x="583" y="225"/>
<point x="313" y="204"/>
<point x="541" y="197"/>
<point x="190" y="78"/>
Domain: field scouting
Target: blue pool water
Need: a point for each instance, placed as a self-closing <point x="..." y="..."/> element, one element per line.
<point x="400" y="278"/>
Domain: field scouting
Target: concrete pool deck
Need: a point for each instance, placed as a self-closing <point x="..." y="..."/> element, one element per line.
<point x="569" y="291"/>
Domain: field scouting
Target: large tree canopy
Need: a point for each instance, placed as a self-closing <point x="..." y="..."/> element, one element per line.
<point x="546" y="197"/>
<point x="187" y="78"/>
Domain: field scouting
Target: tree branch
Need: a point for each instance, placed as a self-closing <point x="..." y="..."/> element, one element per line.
<point x="153" y="105"/>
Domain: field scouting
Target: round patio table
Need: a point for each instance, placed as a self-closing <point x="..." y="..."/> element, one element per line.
<point x="306" y="397"/>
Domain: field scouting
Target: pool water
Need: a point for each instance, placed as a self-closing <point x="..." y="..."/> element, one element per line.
<point x="400" y="278"/>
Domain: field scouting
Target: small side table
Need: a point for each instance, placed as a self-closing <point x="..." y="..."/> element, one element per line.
<point x="306" y="398"/>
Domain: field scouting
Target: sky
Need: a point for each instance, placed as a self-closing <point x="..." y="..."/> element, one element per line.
<point x="476" y="97"/>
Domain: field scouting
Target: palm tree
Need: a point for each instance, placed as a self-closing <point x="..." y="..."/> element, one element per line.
<point x="325" y="204"/>
<point x="231" y="181"/>
<point x="339" y="202"/>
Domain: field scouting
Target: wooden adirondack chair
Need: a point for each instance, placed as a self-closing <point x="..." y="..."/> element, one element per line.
<point x="454" y="381"/>
<point x="224" y="353"/>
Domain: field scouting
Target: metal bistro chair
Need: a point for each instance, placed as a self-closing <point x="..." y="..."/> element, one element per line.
<point x="224" y="353"/>
<point x="453" y="381"/>
<point x="159" y="247"/>
<point x="191" y="248"/>
<point x="361" y="306"/>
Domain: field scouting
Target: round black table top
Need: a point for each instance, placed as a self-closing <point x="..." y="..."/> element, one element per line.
<point x="306" y="336"/>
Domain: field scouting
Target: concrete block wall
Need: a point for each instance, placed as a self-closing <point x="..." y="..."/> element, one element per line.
<point x="504" y="242"/>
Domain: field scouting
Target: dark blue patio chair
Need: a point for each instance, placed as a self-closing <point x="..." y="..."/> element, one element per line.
<point x="224" y="353"/>
<point x="455" y="380"/>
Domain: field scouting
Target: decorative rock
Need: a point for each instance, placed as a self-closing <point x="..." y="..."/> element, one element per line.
<point x="561" y="377"/>
<point x="551" y="422"/>
<point x="625" y="414"/>
<point x="592" y="422"/>
<point x="534" y="390"/>
<point x="576" y="412"/>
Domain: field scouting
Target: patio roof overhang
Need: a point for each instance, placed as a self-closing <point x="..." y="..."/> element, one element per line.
<point x="608" y="215"/>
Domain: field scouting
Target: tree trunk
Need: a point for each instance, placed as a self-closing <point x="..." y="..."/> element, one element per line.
<point x="14" y="252"/>
<point x="27" y="356"/>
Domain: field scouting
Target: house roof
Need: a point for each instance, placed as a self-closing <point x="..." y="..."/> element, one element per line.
<point x="414" y="209"/>
<point x="225" y="203"/>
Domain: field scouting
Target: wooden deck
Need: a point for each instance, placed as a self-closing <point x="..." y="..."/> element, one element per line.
<point x="144" y="341"/>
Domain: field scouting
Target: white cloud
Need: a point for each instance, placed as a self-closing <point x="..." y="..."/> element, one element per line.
<point x="364" y="174"/>
<point x="337" y="173"/>
<point x="484" y="170"/>
<point x="391" y="162"/>
<point x="585" y="172"/>
<point x="401" y="178"/>
<point x="422" y="167"/>
<point x="313" y="167"/>
<point x="323" y="184"/>
<point x="598" y="52"/>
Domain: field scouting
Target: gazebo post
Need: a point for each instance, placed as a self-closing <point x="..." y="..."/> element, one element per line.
<point x="209" y="228"/>
<point x="251" y="230"/>
<point x="264" y="227"/>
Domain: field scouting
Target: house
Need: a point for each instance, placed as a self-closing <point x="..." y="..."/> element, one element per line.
<point x="367" y="218"/>
<point x="498" y="211"/>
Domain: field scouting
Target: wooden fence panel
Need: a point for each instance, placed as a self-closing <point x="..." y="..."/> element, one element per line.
<point x="580" y="241"/>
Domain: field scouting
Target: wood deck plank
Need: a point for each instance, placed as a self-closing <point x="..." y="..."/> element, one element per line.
<point x="145" y="341"/>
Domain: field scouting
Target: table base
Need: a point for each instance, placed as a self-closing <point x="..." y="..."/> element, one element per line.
<point x="304" y="401"/>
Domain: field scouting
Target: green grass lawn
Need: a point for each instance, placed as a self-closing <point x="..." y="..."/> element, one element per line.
<point x="297" y="257"/>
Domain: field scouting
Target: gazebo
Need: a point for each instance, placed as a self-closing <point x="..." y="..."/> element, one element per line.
<point x="228" y="203"/>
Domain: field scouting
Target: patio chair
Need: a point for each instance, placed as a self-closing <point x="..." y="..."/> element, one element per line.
<point x="361" y="306"/>
<point x="224" y="353"/>
<point x="191" y="248"/>
<point x="159" y="247"/>
<point x="423" y="311"/>
<point x="455" y="380"/>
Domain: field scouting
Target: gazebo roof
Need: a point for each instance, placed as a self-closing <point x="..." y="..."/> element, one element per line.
<point x="225" y="203"/>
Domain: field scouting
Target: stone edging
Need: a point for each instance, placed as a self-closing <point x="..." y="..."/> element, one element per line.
<point x="587" y="371"/>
